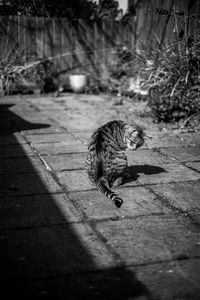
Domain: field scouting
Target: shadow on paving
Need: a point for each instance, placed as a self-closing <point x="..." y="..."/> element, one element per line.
<point x="44" y="256"/>
<point x="145" y="169"/>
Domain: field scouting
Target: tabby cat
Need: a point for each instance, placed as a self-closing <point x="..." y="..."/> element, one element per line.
<point x="106" y="160"/>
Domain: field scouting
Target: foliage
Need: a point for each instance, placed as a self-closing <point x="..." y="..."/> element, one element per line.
<point x="72" y="9"/>
<point x="11" y="59"/>
<point x="17" y="74"/>
<point x="128" y="70"/>
<point x="170" y="77"/>
<point x="175" y="84"/>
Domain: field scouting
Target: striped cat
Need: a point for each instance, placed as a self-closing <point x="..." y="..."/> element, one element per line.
<point x="106" y="160"/>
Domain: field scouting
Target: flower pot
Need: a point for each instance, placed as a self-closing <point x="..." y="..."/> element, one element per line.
<point x="77" y="82"/>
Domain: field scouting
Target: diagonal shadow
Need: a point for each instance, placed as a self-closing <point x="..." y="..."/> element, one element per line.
<point x="10" y="122"/>
<point x="41" y="254"/>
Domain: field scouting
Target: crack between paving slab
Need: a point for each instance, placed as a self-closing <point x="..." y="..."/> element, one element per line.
<point x="40" y="133"/>
<point x="75" y="204"/>
<point x="40" y="225"/>
<point x="180" y="257"/>
<point x="118" y="218"/>
<point x="158" y="150"/>
<point x="92" y="223"/>
<point x="29" y="194"/>
<point x="64" y="128"/>
<point x="63" y="153"/>
<point x="189" y="167"/>
<point x="138" y="185"/>
<point x="176" y="210"/>
<point x="50" y="119"/>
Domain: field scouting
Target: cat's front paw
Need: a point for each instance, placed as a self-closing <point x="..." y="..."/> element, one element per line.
<point x="118" y="181"/>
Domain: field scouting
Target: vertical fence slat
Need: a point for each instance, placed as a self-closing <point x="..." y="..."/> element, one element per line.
<point x="65" y="65"/>
<point x="3" y="36"/>
<point x="25" y="33"/>
<point x="87" y="45"/>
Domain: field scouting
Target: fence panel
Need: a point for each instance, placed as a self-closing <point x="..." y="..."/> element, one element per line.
<point x="87" y="45"/>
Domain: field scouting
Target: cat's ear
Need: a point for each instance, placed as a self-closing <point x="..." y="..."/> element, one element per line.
<point x="128" y="128"/>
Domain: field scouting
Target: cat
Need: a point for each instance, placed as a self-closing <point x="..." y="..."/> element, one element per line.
<point x="106" y="161"/>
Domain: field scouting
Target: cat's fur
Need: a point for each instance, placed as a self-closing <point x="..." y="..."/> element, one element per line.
<point x="106" y="160"/>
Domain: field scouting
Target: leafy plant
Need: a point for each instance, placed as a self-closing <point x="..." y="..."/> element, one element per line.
<point x="16" y="73"/>
<point x="175" y="84"/>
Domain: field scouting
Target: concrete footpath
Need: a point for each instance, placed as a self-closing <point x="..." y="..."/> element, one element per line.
<point x="61" y="238"/>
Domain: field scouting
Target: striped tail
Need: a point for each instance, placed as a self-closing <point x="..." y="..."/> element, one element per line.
<point x="102" y="186"/>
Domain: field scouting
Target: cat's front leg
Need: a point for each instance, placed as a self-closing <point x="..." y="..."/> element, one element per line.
<point x="117" y="181"/>
<point x="121" y="179"/>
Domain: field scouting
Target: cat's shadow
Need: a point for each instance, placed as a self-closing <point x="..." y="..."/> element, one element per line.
<point x="135" y="170"/>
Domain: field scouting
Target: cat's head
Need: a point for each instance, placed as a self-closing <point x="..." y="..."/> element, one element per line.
<point x="133" y="136"/>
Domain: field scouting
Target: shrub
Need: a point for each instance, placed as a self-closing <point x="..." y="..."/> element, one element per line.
<point x="175" y="84"/>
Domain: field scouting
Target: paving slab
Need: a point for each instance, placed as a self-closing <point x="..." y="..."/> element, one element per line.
<point x="79" y="124"/>
<point x="60" y="148"/>
<point x="28" y="184"/>
<point x="14" y="151"/>
<point x="19" y="165"/>
<point x="146" y="157"/>
<point x="171" y="172"/>
<point x="163" y="142"/>
<point x="51" y="138"/>
<point x="194" y="165"/>
<point x="173" y="280"/>
<point x="137" y="201"/>
<point x="77" y="180"/>
<point x="83" y="136"/>
<point x="191" y="139"/>
<point x="11" y="100"/>
<point x="108" y="284"/>
<point x="51" y="251"/>
<point x="181" y="195"/>
<point x="43" y="101"/>
<point x="11" y="139"/>
<point x="77" y="160"/>
<point x="59" y="115"/>
<point x="30" y="119"/>
<point x="36" y="210"/>
<point x="45" y="130"/>
<point x="195" y="216"/>
<point x="53" y="245"/>
<point x="151" y="239"/>
<point x="74" y="120"/>
<point x="183" y="154"/>
<point x="69" y="161"/>
<point x="47" y="106"/>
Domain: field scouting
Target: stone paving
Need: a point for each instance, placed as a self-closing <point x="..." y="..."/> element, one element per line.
<point x="61" y="238"/>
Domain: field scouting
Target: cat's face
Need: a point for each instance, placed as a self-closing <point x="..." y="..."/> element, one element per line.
<point x="133" y="137"/>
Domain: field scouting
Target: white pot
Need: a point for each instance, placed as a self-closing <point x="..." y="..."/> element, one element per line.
<point x="77" y="82"/>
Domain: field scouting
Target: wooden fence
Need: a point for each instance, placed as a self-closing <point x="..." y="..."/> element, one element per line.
<point x="87" y="45"/>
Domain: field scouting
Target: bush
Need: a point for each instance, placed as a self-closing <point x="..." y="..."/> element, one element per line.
<point x="175" y="84"/>
<point x="18" y="76"/>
